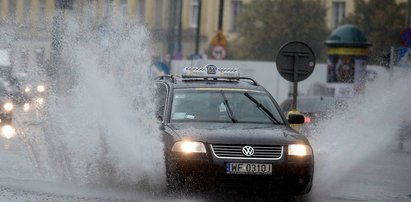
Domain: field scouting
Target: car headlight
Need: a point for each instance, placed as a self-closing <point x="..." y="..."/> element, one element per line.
<point x="189" y="147"/>
<point x="299" y="150"/>
<point x="8" y="131"/>
<point x="8" y="106"/>
<point x="26" y="107"/>
<point x="27" y="90"/>
<point x="41" y="88"/>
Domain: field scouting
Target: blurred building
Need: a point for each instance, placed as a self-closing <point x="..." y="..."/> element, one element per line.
<point x="337" y="10"/>
<point x="28" y="24"/>
<point x="24" y="34"/>
<point x="172" y="23"/>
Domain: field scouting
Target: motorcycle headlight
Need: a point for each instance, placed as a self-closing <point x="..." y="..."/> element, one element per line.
<point x="27" y="89"/>
<point x="8" y="106"/>
<point x="299" y="150"/>
<point x="41" y="88"/>
<point x="189" y="147"/>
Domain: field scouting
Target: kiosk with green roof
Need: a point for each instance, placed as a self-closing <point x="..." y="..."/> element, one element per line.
<point x="347" y="61"/>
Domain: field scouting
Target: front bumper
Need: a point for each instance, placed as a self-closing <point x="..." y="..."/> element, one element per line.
<point x="290" y="173"/>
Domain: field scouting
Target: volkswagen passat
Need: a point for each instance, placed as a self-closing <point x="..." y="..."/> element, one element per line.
<point x="222" y="128"/>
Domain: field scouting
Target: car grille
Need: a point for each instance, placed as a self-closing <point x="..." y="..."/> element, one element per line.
<point x="235" y="152"/>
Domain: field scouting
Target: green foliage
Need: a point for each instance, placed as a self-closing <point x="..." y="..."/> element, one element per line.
<point x="265" y="25"/>
<point x="381" y="22"/>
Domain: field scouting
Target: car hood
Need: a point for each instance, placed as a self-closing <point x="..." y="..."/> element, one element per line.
<point x="236" y="133"/>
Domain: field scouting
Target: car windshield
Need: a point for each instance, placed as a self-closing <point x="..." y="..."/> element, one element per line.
<point x="205" y="105"/>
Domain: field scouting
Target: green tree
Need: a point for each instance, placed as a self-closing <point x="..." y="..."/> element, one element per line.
<point x="265" y="25"/>
<point x="382" y="22"/>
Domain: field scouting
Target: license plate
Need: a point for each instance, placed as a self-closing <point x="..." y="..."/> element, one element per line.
<point x="249" y="168"/>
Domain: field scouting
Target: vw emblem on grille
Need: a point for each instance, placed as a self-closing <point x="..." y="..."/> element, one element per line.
<point x="248" y="150"/>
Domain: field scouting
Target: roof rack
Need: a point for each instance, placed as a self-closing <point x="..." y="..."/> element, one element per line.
<point x="200" y="78"/>
<point x="212" y="72"/>
<point x="250" y="79"/>
<point x="167" y="77"/>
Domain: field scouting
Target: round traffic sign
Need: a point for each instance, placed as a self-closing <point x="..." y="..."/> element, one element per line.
<point x="295" y="61"/>
<point x="218" y="52"/>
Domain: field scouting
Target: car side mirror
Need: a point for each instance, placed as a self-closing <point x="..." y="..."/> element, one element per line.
<point x="296" y="119"/>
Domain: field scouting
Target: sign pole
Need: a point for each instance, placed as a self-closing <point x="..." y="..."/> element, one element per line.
<point x="295" y="90"/>
<point x="198" y="29"/>
<point x="295" y="62"/>
<point x="391" y="65"/>
<point x="219" y="42"/>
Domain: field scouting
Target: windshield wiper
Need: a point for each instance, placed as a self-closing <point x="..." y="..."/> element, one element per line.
<point x="228" y="108"/>
<point x="262" y="108"/>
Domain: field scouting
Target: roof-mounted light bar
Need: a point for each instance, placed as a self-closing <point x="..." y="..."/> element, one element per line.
<point x="210" y="71"/>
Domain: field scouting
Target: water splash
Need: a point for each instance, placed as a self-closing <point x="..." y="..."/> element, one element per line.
<point x="368" y="126"/>
<point x="99" y="124"/>
<point x="107" y="122"/>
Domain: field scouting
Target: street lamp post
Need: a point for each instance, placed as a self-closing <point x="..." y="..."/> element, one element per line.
<point x="408" y="14"/>
<point x="220" y="15"/>
<point x="198" y="28"/>
<point x="57" y="41"/>
<point x="175" y="28"/>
